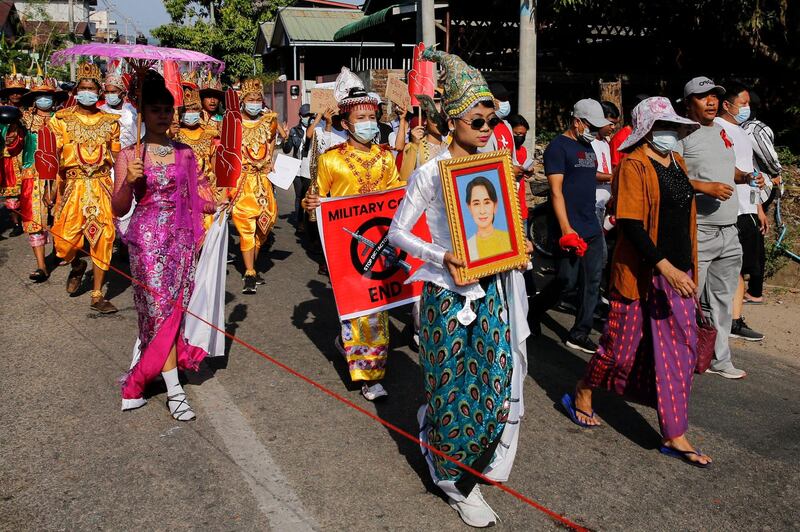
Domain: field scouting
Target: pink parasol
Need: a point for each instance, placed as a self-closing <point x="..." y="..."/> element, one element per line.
<point x="141" y="57"/>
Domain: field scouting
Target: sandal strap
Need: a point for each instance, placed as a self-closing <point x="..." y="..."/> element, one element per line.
<point x="181" y="400"/>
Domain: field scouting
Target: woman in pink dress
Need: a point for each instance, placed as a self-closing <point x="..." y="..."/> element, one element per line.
<point x="164" y="238"/>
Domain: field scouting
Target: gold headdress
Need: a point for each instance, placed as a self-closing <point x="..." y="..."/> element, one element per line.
<point x="189" y="79"/>
<point x="252" y="86"/>
<point x="211" y="86"/>
<point x="89" y="71"/>
<point x="191" y="96"/>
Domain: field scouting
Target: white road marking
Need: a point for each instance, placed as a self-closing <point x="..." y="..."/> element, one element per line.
<point x="275" y="498"/>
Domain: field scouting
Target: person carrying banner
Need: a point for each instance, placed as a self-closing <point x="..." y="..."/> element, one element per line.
<point x="163" y="240"/>
<point x="88" y="141"/>
<point x="35" y="195"/>
<point x="472" y="336"/>
<point x="358" y="166"/>
<point x="201" y="138"/>
<point x="254" y="207"/>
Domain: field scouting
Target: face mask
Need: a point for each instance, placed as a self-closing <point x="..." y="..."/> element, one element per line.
<point x="253" y="108"/>
<point x="503" y="110"/>
<point x="743" y="114"/>
<point x="519" y="140"/>
<point x="87" y="98"/>
<point x="191" y="119"/>
<point x="664" y="141"/>
<point x="44" y="102"/>
<point x="587" y="136"/>
<point x="113" y="99"/>
<point x="365" y="132"/>
<point x="305" y="121"/>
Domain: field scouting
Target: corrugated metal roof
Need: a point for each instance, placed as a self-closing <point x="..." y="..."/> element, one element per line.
<point x="315" y="24"/>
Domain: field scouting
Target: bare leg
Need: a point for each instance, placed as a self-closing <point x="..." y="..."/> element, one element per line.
<point x="38" y="252"/>
<point x="682" y="444"/>
<point x="738" y="300"/>
<point x="583" y="401"/>
<point x="249" y="258"/>
<point x="172" y="360"/>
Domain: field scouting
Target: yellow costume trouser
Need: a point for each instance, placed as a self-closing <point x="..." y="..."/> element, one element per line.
<point x="366" y="346"/>
<point x="85" y="211"/>
<point x="254" y="211"/>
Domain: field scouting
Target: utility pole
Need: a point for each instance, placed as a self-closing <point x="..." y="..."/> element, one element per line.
<point x="527" y="69"/>
<point x="71" y="19"/>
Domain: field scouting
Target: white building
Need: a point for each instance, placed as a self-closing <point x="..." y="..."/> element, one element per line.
<point x="56" y="10"/>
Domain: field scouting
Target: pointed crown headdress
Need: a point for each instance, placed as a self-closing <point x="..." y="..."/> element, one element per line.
<point x="350" y="93"/>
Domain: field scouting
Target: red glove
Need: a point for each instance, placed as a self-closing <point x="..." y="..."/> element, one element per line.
<point x="573" y="242"/>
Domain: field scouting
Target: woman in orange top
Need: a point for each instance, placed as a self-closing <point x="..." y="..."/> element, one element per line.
<point x="653" y="280"/>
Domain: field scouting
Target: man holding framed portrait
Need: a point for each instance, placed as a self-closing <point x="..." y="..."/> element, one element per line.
<point x="473" y="305"/>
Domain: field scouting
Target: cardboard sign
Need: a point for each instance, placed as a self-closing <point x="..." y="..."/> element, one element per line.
<point x="367" y="273"/>
<point x="397" y="92"/>
<point x="322" y="100"/>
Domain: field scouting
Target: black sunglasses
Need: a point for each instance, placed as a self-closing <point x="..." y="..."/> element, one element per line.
<point x="477" y="123"/>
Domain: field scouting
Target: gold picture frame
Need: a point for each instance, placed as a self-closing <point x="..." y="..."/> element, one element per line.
<point x="483" y="213"/>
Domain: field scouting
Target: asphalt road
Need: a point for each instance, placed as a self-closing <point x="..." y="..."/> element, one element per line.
<point x="270" y="451"/>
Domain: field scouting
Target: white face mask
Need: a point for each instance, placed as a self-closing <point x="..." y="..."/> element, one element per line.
<point x="113" y="99"/>
<point x="191" y="119"/>
<point x="503" y="109"/>
<point x="587" y="135"/>
<point x="365" y="132"/>
<point x="664" y="141"/>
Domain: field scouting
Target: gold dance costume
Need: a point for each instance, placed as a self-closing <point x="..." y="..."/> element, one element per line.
<point x="345" y="171"/>
<point x="203" y="141"/>
<point x="88" y="144"/>
<point x="254" y="208"/>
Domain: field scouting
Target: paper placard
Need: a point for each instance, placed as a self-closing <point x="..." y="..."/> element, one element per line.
<point x="285" y="171"/>
<point x="397" y="92"/>
<point x="322" y="100"/>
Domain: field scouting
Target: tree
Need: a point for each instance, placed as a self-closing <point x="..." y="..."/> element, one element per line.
<point x="34" y="46"/>
<point x="225" y="29"/>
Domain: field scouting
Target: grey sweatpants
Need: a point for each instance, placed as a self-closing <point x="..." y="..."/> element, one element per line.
<point x="719" y="261"/>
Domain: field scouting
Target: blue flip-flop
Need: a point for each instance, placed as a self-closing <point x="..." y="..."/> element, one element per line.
<point x="684" y="455"/>
<point x="569" y="407"/>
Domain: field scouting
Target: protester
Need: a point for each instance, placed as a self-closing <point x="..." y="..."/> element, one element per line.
<point x="711" y="166"/>
<point x="623" y="133"/>
<point x="163" y="240"/>
<point x="752" y="222"/>
<point x="464" y="417"/>
<point x="211" y="96"/>
<point x="520" y="128"/>
<point x="203" y="140"/>
<point x="427" y="139"/>
<point x="358" y="166"/>
<point x="13" y="90"/>
<point x="88" y="141"/>
<point x="571" y="168"/>
<point x="254" y="207"/>
<point x="115" y="96"/>
<point x="37" y="195"/>
<point x="602" y="151"/>
<point x="653" y="285"/>
<point x="299" y="146"/>
<point x="384" y="129"/>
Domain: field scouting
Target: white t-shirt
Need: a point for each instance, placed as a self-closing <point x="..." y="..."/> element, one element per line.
<point x="743" y="149"/>
<point x="602" y="192"/>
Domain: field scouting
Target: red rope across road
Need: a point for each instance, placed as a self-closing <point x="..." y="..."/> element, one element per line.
<point x="550" y="513"/>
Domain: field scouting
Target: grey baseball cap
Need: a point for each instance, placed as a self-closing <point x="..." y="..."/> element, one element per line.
<point x="702" y="85"/>
<point x="591" y="111"/>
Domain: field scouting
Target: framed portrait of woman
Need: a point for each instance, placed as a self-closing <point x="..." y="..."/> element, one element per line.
<point x="484" y="213"/>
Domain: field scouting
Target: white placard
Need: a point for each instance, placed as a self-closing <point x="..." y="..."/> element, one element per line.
<point x="285" y="171"/>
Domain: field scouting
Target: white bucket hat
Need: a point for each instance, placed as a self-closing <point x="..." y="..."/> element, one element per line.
<point x="647" y="113"/>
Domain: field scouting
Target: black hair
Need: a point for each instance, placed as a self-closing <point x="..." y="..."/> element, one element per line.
<point x="610" y="109"/>
<point x="755" y="104"/>
<point x="481" y="181"/>
<point x="154" y="91"/>
<point x="733" y="89"/>
<point x="518" y="120"/>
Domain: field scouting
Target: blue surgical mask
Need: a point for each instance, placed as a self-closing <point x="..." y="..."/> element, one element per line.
<point x="305" y="121"/>
<point x="113" y="99"/>
<point x="253" y="108"/>
<point x="664" y="141"/>
<point x="44" y="102"/>
<point x="365" y="132"/>
<point x="743" y="114"/>
<point x="503" y="110"/>
<point x="87" y="98"/>
<point x="191" y="119"/>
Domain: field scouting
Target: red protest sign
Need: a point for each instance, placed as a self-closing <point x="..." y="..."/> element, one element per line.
<point x="421" y="76"/>
<point x="367" y="273"/>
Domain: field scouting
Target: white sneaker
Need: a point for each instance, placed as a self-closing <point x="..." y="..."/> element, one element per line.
<point x="732" y="373"/>
<point x="371" y="393"/>
<point x="179" y="407"/>
<point x="474" y="510"/>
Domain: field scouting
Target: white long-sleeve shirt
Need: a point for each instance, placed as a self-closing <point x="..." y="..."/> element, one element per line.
<point x="127" y="123"/>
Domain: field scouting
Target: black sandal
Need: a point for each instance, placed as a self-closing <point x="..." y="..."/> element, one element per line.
<point x="39" y="276"/>
<point x="182" y="407"/>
